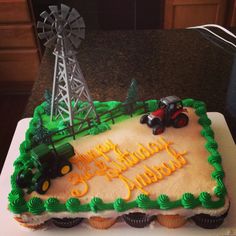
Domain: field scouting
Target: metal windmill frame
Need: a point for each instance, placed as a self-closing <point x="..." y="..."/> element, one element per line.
<point x="63" y="28"/>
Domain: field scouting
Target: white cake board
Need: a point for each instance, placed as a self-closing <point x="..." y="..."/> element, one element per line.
<point x="8" y="226"/>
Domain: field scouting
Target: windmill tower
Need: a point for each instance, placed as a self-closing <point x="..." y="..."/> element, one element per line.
<point x="64" y="29"/>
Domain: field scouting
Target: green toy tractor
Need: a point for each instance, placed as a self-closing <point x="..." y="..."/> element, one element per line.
<point x="44" y="165"/>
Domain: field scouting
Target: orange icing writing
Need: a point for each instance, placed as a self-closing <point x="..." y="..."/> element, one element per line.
<point x="78" y="193"/>
<point x="76" y="179"/>
<point x="151" y="175"/>
<point x="90" y="166"/>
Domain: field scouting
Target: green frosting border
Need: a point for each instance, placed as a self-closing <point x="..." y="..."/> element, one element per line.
<point x="37" y="206"/>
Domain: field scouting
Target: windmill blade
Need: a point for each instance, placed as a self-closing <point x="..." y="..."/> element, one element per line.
<point x="68" y="43"/>
<point x="42" y="25"/>
<point x="81" y="22"/>
<point x="78" y="24"/>
<point x="46" y="17"/>
<point x="54" y="9"/>
<point x="64" y="11"/>
<point x="42" y="35"/>
<point x="67" y="32"/>
<point x="79" y="33"/>
<point x="46" y="35"/>
<point x="75" y="41"/>
<point x="51" y="42"/>
<point x="74" y="14"/>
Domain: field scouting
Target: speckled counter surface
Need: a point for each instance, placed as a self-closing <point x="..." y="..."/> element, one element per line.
<point x="179" y="62"/>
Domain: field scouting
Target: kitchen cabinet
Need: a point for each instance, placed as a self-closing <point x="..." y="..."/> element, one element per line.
<point x="186" y="13"/>
<point x="231" y="21"/>
<point x="19" y="49"/>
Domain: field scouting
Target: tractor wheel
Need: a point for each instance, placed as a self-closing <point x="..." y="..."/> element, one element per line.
<point x="180" y="121"/>
<point x="154" y="122"/>
<point x="144" y="119"/>
<point x="42" y="185"/>
<point x="64" y="168"/>
<point x="158" y="129"/>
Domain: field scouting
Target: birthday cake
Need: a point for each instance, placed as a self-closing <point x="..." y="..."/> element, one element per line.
<point x="138" y="162"/>
<point x="100" y="163"/>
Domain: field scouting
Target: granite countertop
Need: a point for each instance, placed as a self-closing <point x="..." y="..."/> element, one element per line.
<point x="164" y="62"/>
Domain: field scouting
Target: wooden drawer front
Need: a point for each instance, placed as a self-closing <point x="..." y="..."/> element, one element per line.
<point x="14" y="11"/>
<point x="13" y="36"/>
<point x="18" y="65"/>
<point x="185" y="13"/>
<point x="233" y="15"/>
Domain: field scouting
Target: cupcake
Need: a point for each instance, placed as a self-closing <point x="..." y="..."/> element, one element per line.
<point x="209" y="222"/>
<point x="66" y="222"/>
<point x="171" y="221"/>
<point x="30" y="226"/>
<point x="100" y="222"/>
<point x="19" y="219"/>
<point x="138" y="219"/>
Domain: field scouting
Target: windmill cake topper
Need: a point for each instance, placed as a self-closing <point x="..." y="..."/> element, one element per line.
<point x="63" y="29"/>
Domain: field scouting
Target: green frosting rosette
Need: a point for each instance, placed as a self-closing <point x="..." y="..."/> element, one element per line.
<point x="205" y="199"/>
<point x="204" y="121"/>
<point x="164" y="202"/>
<point x="16" y="193"/>
<point x="218" y="174"/>
<point x="211" y="143"/>
<point x="14" y="184"/>
<point x="218" y="167"/>
<point x="201" y="110"/>
<point x="207" y="131"/>
<point x="36" y="206"/>
<point x="215" y="157"/>
<point x="120" y="205"/>
<point x="18" y="206"/>
<point x="188" y="200"/>
<point x="198" y="104"/>
<point x="18" y="163"/>
<point x="220" y="191"/>
<point x="188" y="102"/>
<point x="96" y="204"/>
<point x="53" y="205"/>
<point x="144" y="202"/>
<point x="13" y="180"/>
<point x="73" y="204"/>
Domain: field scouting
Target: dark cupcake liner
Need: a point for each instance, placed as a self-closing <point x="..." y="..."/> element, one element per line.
<point x="209" y="222"/>
<point x="66" y="222"/>
<point x="138" y="219"/>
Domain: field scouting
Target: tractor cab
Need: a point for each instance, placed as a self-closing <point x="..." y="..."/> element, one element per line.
<point x="170" y="105"/>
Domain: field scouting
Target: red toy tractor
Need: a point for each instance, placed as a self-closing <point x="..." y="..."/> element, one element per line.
<point x="170" y="112"/>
